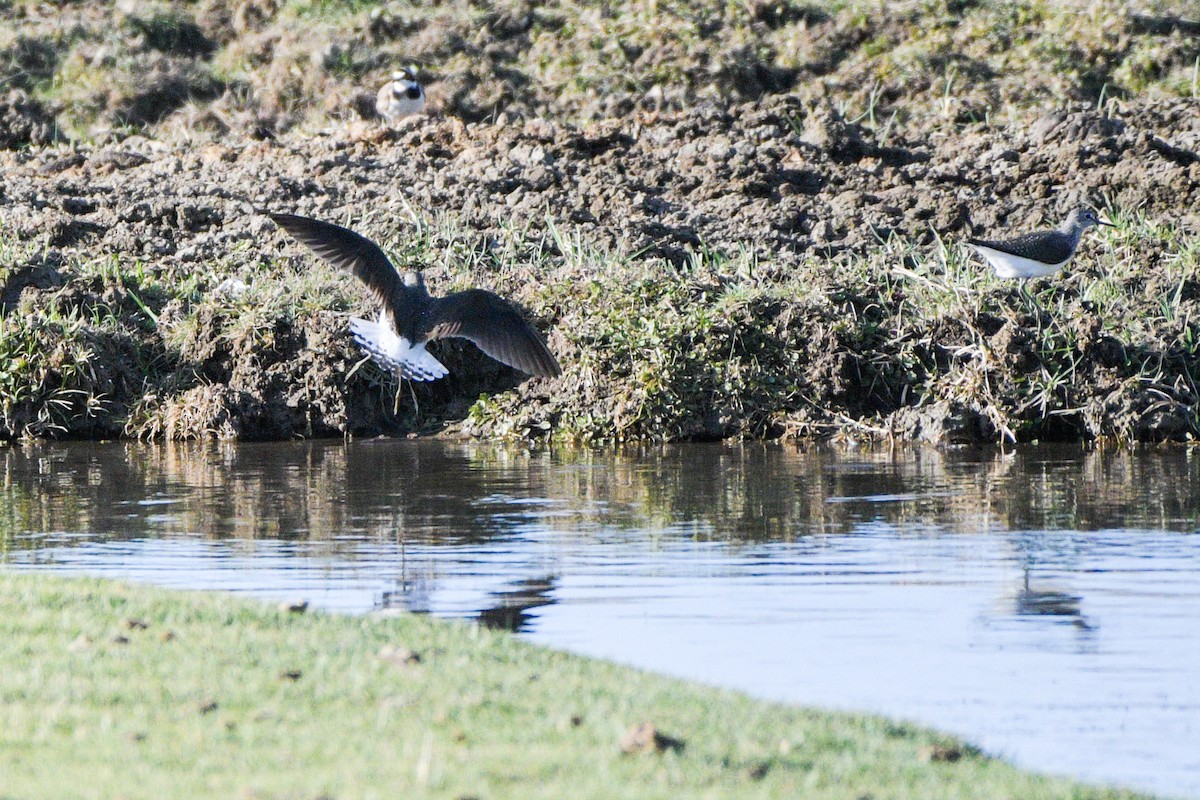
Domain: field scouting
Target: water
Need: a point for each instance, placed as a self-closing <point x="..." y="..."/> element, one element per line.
<point x="1044" y="604"/>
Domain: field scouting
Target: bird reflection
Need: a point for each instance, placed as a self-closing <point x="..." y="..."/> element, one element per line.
<point x="413" y="595"/>
<point x="509" y="611"/>
<point x="1032" y="600"/>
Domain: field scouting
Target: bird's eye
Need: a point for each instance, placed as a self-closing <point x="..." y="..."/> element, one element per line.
<point x="413" y="92"/>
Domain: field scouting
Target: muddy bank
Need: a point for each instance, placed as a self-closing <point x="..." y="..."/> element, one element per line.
<point x="766" y="269"/>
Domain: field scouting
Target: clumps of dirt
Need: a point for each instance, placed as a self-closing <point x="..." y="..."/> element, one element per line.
<point x="164" y="85"/>
<point x="98" y="70"/>
<point x="942" y="422"/>
<point x="37" y="274"/>
<point x="721" y="177"/>
<point x="259" y="375"/>
<point x="263" y="67"/>
<point x="828" y="131"/>
<point x="24" y="121"/>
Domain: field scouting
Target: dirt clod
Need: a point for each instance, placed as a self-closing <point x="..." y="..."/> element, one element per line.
<point x="399" y="656"/>
<point x="645" y="738"/>
<point x="945" y="753"/>
<point x="24" y="121"/>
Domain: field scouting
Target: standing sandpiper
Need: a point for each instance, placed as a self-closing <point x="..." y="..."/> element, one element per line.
<point x="410" y="318"/>
<point x="401" y="96"/>
<point x="1038" y="254"/>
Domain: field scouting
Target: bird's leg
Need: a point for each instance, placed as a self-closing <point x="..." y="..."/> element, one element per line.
<point x="1023" y="291"/>
<point x="411" y="391"/>
<point x="1031" y="304"/>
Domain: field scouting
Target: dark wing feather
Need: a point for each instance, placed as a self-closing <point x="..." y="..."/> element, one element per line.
<point x="493" y="325"/>
<point x="1048" y="247"/>
<point x="347" y="250"/>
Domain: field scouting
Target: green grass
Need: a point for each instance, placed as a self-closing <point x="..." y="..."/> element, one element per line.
<point x="47" y="378"/>
<point x="218" y="697"/>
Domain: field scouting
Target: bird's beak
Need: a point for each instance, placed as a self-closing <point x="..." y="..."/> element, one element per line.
<point x="1105" y="224"/>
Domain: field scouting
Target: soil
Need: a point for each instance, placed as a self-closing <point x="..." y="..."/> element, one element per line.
<point x="784" y="175"/>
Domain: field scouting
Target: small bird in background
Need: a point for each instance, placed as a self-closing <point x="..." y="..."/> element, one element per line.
<point x="411" y="318"/>
<point x="1038" y="254"/>
<point x="401" y="96"/>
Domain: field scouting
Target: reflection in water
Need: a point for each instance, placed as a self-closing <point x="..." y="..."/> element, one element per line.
<point x="1041" y="597"/>
<point x="510" y="609"/>
<point x="1034" y="601"/>
<point x="433" y="491"/>
<point x="1042" y="602"/>
<point x="506" y="610"/>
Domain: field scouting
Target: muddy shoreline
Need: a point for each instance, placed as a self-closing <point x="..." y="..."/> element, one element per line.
<point x="766" y="270"/>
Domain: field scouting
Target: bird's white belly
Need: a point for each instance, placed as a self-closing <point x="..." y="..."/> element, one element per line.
<point x="397" y="107"/>
<point x="1009" y="266"/>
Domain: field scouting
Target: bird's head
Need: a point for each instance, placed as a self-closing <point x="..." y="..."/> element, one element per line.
<point x="405" y="85"/>
<point x="1083" y="218"/>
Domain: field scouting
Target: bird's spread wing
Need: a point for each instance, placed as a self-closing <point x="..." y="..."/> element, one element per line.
<point x="494" y="326"/>
<point x="347" y="250"/>
<point x="1048" y="247"/>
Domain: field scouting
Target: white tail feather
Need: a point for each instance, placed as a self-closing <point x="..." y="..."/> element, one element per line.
<point x="392" y="351"/>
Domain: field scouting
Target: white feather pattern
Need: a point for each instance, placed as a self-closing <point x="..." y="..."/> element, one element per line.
<point x="392" y="351"/>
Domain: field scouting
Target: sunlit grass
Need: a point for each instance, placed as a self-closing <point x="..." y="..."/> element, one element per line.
<point x="117" y="690"/>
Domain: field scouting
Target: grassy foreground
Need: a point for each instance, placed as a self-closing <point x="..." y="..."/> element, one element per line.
<point x="119" y="691"/>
